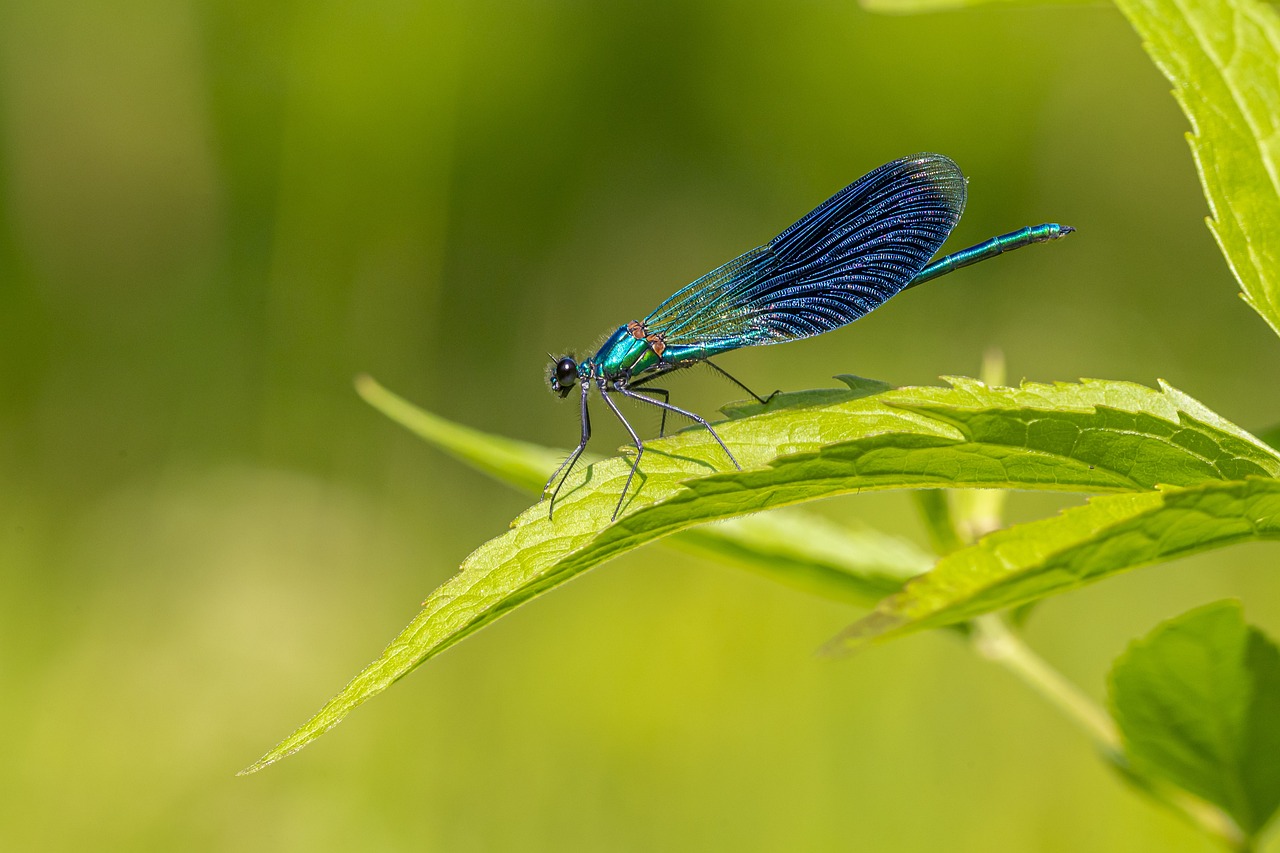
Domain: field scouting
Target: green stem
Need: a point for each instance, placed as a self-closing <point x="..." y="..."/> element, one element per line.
<point x="996" y="641"/>
<point x="939" y="521"/>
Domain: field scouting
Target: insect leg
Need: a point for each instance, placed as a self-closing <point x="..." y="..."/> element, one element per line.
<point x="666" y="398"/>
<point x="635" y="439"/>
<point x="659" y="370"/>
<point x="690" y="415"/>
<point x="736" y="381"/>
<point x="567" y="465"/>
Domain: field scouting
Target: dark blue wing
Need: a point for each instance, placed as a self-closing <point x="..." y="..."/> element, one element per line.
<point x="843" y="260"/>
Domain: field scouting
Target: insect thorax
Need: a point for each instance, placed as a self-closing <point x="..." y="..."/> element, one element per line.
<point x="625" y="353"/>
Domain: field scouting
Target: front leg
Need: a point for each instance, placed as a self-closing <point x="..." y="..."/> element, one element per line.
<point x="567" y="465"/>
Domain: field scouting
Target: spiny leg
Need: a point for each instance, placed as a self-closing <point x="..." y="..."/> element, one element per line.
<point x="690" y="415"/>
<point x="764" y="401"/>
<point x="567" y="465"/>
<point x="661" y="369"/>
<point x="639" y="450"/>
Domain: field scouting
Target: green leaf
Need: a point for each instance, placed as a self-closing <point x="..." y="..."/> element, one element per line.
<point x="858" y="566"/>
<point x="1221" y="57"/>
<point x="517" y="463"/>
<point x="1108" y="535"/>
<point x="1197" y="702"/>
<point x="1095" y="436"/>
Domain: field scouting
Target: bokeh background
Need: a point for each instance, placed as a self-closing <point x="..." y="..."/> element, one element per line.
<point x="214" y="214"/>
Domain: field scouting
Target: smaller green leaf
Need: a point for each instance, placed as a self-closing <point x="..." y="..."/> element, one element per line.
<point x="517" y="463"/>
<point x="1109" y="535"/>
<point x="1197" y="702"/>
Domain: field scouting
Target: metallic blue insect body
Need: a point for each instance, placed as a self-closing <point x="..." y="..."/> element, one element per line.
<point x="869" y="241"/>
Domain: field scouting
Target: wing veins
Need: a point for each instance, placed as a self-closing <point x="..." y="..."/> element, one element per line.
<point x="836" y="264"/>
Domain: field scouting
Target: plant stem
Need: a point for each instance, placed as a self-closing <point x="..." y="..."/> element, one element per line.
<point x="939" y="521"/>
<point x="996" y="641"/>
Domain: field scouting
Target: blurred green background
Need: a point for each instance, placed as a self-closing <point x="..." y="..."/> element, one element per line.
<point x="215" y="214"/>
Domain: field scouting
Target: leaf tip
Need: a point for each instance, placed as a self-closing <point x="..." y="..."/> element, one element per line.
<point x="262" y="763"/>
<point x="860" y="634"/>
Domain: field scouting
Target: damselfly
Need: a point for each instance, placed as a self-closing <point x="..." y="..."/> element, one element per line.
<point x="871" y="240"/>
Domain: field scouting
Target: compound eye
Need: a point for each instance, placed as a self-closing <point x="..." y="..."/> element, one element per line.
<point x="566" y="371"/>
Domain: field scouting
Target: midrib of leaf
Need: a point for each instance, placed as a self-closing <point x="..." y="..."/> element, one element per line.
<point x="1223" y="59"/>
<point x="845" y="443"/>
